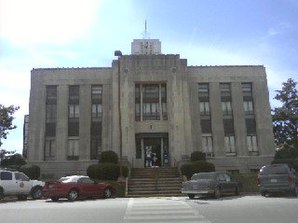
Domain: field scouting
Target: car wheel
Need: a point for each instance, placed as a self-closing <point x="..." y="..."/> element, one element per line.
<point x="236" y="191"/>
<point x="22" y="197"/>
<point x="217" y="193"/>
<point x="1" y="194"/>
<point x="191" y="196"/>
<point x="295" y="192"/>
<point x="36" y="193"/>
<point x="54" y="199"/>
<point x="107" y="193"/>
<point x="73" y="195"/>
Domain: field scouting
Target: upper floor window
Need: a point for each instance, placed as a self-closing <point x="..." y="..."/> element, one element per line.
<point x="204" y="108"/>
<point x="74" y="94"/>
<point x="96" y="94"/>
<point x="204" y="92"/>
<point x="225" y="90"/>
<point x="51" y="94"/>
<point x="247" y="90"/>
<point x="248" y="107"/>
<point x="226" y="108"/>
<point x="150" y="102"/>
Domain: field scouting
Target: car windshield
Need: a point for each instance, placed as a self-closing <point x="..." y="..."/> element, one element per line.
<point x="203" y="176"/>
<point x="274" y="170"/>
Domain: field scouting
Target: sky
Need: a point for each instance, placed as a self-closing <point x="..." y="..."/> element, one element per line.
<point x="85" y="33"/>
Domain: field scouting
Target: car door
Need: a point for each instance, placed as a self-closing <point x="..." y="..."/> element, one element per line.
<point x="23" y="183"/>
<point x="229" y="184"/>
<point x="8" y="182"/>
<point x="88" y="186"/>
<point x="222" y="182"/>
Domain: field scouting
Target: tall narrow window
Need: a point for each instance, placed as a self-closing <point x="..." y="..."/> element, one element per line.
<point x="150" y="102"/>
<point x="226" y="99"/>
<point x="251" y="141"/>
<point x="247" y="98"/>
<point x="73" y="122"/>
<point x="96" y="121"/>
<point x="229" y="137"/>
<point x="73" y="111"/>
<point x="164" y="102"/>
<point x="205" y="115"/>
<point x="51" y="122"/>
<point x="73" y="149"/>
<point x="50" y="149"/>
<point x="207" y="145"/>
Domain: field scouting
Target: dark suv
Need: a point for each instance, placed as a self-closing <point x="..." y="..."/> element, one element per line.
<point x="277" y="178"/>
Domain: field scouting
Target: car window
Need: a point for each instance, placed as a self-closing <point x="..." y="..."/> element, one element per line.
<point x="21" y="177"/>
<point x="227" y="178"/>
<point x="65" y="179"/>
<point x="201" y="176"/>
<point x="86" y="180"/>
<point x="282" y="169"/>
<point x="6" y="176"/>
<point x="221" y="177"/>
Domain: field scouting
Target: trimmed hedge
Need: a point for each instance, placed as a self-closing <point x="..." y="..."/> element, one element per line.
<point x="197" y="156"/>
<point x="108" y="157"/>
<point x="106" y="171"/>
<point x="248" y="182"/>
<point x="32" y="171"/>
<point x="190" y="168"/>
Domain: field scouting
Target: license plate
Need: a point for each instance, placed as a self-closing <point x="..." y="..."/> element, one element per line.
<point x="273" y="180"/>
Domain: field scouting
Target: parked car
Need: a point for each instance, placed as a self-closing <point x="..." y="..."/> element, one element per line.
<point x="77" y="187"/>
<point x="210" y="183"/>
<point x="15" y="183"/>
<point x="277" y="178"/>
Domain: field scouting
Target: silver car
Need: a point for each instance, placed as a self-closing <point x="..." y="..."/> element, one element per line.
<point x="210" y="183"/>
<point x="277" y="178"/>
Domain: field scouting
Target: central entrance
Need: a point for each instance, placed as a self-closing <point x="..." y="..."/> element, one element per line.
<point x="152" y="148"/>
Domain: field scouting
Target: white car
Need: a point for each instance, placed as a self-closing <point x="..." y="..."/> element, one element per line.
<point x="15" y="183"/>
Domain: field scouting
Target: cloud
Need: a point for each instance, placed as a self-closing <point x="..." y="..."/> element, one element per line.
<point x="35" y="21"/>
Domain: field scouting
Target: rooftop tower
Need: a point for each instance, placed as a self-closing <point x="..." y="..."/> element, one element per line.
<point x="146" y="46"/>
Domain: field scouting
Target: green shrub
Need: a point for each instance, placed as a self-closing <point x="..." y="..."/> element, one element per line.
<point x="108" y="157"/>
<point x="32" y="171"/>
<point x="106" y="171"/>
<point x="197" y="156"/>
<point x="248" y="181"/>
<point x="190" y="168"/>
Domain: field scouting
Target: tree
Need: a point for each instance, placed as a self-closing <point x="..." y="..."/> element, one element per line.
<point x="14" y="161"/>
<point x="6" y="118"/>
<point x="285" y="120"/>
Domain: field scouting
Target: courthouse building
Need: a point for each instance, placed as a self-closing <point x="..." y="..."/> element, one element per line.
<point x="149" y="101"/>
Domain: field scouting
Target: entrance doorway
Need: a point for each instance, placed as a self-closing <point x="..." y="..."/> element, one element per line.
<point x="153" y="149"/>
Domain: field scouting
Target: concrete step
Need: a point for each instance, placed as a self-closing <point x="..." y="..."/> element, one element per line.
<point x="154" y="181"/>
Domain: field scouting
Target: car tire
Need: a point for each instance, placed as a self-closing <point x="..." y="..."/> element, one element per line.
<point x="191" y="196"/>
<point x="108" y="193"/>
<point x="236" y="191"/>
<point x="22" y="197"/>
<point x="217" y="193"/>
<point x="73" y="195"/>
<point x="54" y="199"/>
<point x="294" y="192"/>
<point x="1" y="194"/>
<point x="36" y="193"/>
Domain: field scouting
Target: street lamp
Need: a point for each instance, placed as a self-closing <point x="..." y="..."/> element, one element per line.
<point x="118" y="54"/>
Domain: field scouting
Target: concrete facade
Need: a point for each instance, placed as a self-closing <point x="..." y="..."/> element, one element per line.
<point x="178" y="133"/>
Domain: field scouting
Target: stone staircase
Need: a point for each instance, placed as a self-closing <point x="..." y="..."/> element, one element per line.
<point x="146" y="182"/>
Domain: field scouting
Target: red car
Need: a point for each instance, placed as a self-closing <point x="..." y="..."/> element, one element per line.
<point x="76" y="187"/>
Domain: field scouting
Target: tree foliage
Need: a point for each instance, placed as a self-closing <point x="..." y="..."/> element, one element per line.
<point x="285" y="118"/>
<point x="14" y="161"/>
<point x="6" y="118"/>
